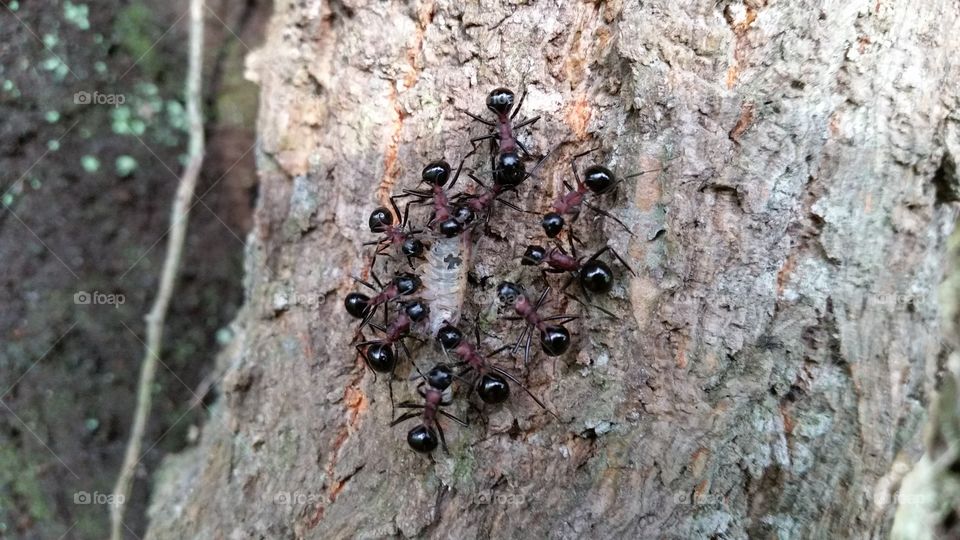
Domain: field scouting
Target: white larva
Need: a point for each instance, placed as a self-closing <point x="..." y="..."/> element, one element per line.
<point x="444" y="278"/>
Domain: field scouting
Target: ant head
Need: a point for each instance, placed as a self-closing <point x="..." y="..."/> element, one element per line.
<point x="552" y="224"/>
<point x="417" y="310"/>
<point x="509" y="292"/>
<point x="555" y="340"/>
<point x="463" y="214"/>
<point x="493" y="388"/>
<point x="380" y="219"/>
<point x="357" y="304"/>
<point x="533" y="256"/>
<point x="451" y="227"/>
<point x="422" y="439"/>
<point x="406" y="283"/>
<point x="509" y="170"/>
<point x="599" y="179"/>
<point x="436" y="173"/>
<point x="596" y="277"/>
<point x="500" y="101"/>
<point x="411" y="247"/>
<point x="449" y="336"/>
<point x="440" y="377"/>
<point x="380" y="357"/>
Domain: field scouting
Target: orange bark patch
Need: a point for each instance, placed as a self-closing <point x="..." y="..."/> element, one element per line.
<point x="578" y="116"/>
<point x="699" y="461"/>
<point x="784" y="274"/>
<point x="732" y="75"/>
<point x="743" y="123"/>
<point x="739" y="49"/>
<point x="355" y="403"/>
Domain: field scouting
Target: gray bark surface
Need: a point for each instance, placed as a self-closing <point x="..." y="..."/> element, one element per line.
<point x="771" y="366"/>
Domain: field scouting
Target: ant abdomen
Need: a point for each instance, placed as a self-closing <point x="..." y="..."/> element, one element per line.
<point x="493" y="389"/>
<point x="509" y="170"/>
<point x="380" y="220"/>
<point x="596" y="276"/>
<point x="436" y="173"/>
<point x="423" y="439"/>
<point x="555" y="340"/>
<point x="412" y="247"/>
<point x="380" y="357"/>
<point x="357" y="304"/>
<point x="599" y="179"/>
<point x="552" y="224"/>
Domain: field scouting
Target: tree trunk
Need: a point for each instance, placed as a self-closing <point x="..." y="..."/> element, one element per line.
<point x="770" y="367"/>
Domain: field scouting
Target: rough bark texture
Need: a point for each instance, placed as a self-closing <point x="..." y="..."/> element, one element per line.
<point x="773" y="362"/>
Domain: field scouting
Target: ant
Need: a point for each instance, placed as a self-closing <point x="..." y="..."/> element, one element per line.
<point x="554" y="338"/>
<point x="491" y="381"/>
<point x="598" y="180"/>
<point x="593" y="275"/>
<point x="508" y="168"/>
<point x="435" y="391"/>
<point x="448" y="219"/>
<point x="380" y="355"/>
<point x="381" y="221"/>
<point x="363" y="307"/>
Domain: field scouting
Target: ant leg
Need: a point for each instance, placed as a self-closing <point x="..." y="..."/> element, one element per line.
<point x="604" y="213"/>
<point x="404" y="417"/>
<point x="615" y="254"/>
<point x="522" y="147"/>
<point x="516" y="109"/>
<point x="475" y="140"/>
<point x="456" y="176"/>
<point x="523" y="334"/>
<point x="476" y="331"/>
<point x="443" y="440"/>
<point x="481" y="120"/>
<point x="498" y="351"/>
<point x="540" y="300"/>
<point x="515" y="207"/>
<point x="573" y="161"/>
<point x="393" y="408"/>
<point x="525" y="389"/>
<point x="365" y="360"/>
<point x="454" y="418"/>
<point x="588" y="303"/>
<point x="477" y="180"/>
<point x="525" y="123"/>
<point x="532" y="173"/>
<point x="367" y="284"/>
<point x="526" y="350"/>
<point x="562" y="319"/>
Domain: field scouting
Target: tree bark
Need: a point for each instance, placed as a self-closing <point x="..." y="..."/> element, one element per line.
<point x="769" y="369"/>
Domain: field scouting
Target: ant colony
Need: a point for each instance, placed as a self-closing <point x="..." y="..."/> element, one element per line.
<point x="424" y="299"/>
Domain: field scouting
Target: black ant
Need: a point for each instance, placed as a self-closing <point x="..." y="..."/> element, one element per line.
<point x="593" y="275"/>
<point x="491" y="381"/>
<point x="363" y="307"/>
<point x="381" y="222"/>
<point x="508" y="169"/>
<point x="554" y="338"/>
<point x="446" y="218"/>
<point x="435" y="391"/>
<point x="598" y="180"/>
<point x="380" y="354"/>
